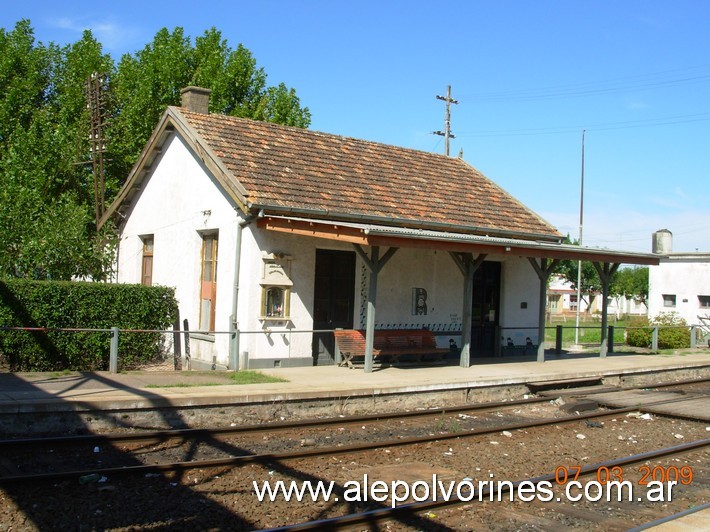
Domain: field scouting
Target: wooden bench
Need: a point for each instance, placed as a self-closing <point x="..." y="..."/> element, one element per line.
<point x="389" y="346"/>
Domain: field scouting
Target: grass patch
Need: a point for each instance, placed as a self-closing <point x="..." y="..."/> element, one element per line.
<point x="225" y="378"/>
<point x="185" y="384"/>
<point x="253" y="377"/>
<point x="58" y="374"/>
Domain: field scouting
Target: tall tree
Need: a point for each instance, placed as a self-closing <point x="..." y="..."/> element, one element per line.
<point x="631" y="283"/>
<point x="590" y="284"/>
<point x="47" y="222"/>
<point x="46" y="229"/>
<point x="148" y="81"/>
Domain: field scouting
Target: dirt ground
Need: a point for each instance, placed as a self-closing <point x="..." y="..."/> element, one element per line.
<point x="225" y="498"/>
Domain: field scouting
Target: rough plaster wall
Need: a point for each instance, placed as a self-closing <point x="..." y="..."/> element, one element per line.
<point x="520" y="284"/>
<point x="684" y="279"/>
<point x="177" y="202"/>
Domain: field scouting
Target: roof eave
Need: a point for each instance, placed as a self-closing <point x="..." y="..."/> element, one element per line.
<point x="173" y="121"/>
<point x="332" y="216"/>
<point x="379" y="235"/>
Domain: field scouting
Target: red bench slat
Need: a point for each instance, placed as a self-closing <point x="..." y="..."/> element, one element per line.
<point x="387" y="343"/>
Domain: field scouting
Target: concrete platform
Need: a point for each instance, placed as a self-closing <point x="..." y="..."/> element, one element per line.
<point x="46" y="392"/>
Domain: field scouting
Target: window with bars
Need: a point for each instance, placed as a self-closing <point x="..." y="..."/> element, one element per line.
<point x="208" y="282"/>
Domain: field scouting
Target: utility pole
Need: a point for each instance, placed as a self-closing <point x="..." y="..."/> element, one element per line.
<point x="96" y="89"/>
<point x="579" y="263"/>
<point x="447" y="130"/>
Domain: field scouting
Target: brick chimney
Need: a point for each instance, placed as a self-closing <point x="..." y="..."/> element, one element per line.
<point x="196" y="99"/>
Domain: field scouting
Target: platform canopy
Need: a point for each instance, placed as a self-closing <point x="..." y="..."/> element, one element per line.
<point x="370" y="235"/>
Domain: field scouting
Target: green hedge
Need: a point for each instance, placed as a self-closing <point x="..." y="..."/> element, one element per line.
<point x="81" y="305"/>
<point x="673" y="332"/>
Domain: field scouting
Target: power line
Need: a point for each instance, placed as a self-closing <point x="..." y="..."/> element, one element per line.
<point x="691" y="75"/>
<point x="604" y="126"/>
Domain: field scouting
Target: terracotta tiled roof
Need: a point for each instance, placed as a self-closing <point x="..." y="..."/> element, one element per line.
<point x="285" y="167"/>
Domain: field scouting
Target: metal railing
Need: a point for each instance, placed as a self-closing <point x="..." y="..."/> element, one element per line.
<point x="173" y="347"/>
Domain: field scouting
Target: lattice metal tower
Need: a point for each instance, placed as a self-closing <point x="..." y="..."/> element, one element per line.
<point x="96" y="92"/>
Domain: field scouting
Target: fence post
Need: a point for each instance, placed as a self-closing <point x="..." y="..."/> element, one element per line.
<point x="558" y="340"/>
<point x="113" y="357"/>
<point x="654" y="340"/>
<point x="233" y="345"/>
<point x="177" y="349"/>
<point x="497" y="342"/>
<point x="186" y="327"/>
<point x="610" y="338"/>
<point x="693" y="336"/>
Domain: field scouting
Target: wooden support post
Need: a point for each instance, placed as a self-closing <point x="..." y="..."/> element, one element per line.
<point x="465" y="357"/>
<point x="375" y="265"/>
<point x="468" y="266"/>
<point x="371" y="307"/>
<point x="558" y="339"/>
<point x="543" y="270"/>
<point x="605" y="271"/>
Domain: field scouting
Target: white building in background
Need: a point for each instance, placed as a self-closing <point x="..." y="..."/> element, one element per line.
<point x="680" y="283"/>
<point x="562" y="302"/>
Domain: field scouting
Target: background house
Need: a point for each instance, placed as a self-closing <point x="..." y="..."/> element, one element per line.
<point x="680" y="283"/>
<point x="562" y="302"/>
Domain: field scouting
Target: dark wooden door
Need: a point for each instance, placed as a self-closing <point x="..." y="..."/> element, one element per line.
<point x="333" y="300"/>
<point x="485" y="313"/>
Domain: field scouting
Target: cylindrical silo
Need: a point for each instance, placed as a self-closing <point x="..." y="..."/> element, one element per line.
<point x="662" y="242"/>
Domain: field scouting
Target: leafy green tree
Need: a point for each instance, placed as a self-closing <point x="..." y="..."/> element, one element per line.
<point x="147" y="82"/>
<point x="25" y="74"/>
<point x="46" y="230"/>
<point x="631" y="283"/>
<point x="47" y="222"/>
<point x="590" y="284"/>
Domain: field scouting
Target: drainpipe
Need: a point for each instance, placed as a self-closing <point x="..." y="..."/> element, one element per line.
<point x="233" y="323"/>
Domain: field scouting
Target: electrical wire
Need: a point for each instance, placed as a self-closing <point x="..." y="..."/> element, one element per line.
<point x="657" y="80"/>
<point x="604" y="126"/>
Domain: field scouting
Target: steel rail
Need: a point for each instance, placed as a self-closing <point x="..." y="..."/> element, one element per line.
<point x="310" y="453"/>
<point x="165" y="435"/>
<point x="411" y="509"/>
<point x="671" y="518"/>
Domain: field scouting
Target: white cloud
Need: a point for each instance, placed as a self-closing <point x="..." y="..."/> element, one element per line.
<point x="631" y="230"/>
<point x="113" y="36"/>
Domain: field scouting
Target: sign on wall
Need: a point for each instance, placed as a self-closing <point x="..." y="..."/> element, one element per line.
<point x="419" y="302"/>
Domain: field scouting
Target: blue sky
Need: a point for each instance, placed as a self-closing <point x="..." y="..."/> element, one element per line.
<point x="528" y="76"/>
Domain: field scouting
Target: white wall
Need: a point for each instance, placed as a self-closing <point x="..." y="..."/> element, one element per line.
<point x="686" y="279"/>
<point x="434" y="271"/>
<point x="520" y="284"/>
<point x="177" y="202"/>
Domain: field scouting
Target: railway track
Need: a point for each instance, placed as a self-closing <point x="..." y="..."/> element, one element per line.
<point x="196" y="433"/>
<point x="486" y="493"/>
<point x="538" y="447"/>
<point x="265" y="458"/>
